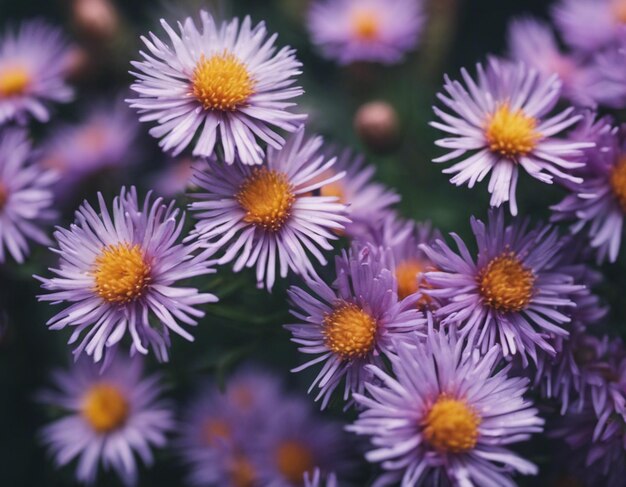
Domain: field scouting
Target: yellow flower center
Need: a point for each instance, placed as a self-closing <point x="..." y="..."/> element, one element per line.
<point x="267" y="198"/>
<point x="505" y="284"/>
<point x="4" y="196"/>
<point x="221" y="82"/>
<point x="349" y="331"/>
<point x="619" y="10"/>
<point x="451" y="425"/>
<point x="242" y="472"/>
<point x="13" y="81"/>
<point x="215" y="431"/>
<point x="407" y="273"/>
<point x="121" y="273"/>
<point x="618" y="182"/>
<point x="365" y="25"/>
<point x="293" y="460"/>
<point x="105" y="408"/>
<point x="511" y="133"/>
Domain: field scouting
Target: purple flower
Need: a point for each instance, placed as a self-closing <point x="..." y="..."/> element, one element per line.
<point x="365" y="30"/>
<point x="368" y="202"/>
<point x="351" y="324"/>
<point x="254" y="434"/>
<point x="105" y="139"/>
<point x="607" y="77"/>
<point x="25" y="196"/>
<point x="446" y="414"/>
<point x="533" y="42"/>
<point x="598" y="204"/>
<point x="503" y="122"/>
<point x="227" y="83"/>
<point x="588" y="25"/>
<point x="173" y="179"/>
<point x="317" y="479"/>
<point x="33" y="60"/>
<point x="118" y="271"/>
<point x="270" y="216"/>
<point x="513" y="292"/>
<point x="111" y="417"/>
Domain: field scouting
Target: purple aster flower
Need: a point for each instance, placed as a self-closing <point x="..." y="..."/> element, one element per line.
<point x="351" y="324"/>
<point x="446" y="415"/>
<point x="118" y="272"/>
<point x="607" y="77"/>
<point x="513" y="292"/>
<point x="25" y="196"/>
<point x="588" y="25"/>
<point x="598" y="204"/>
<point x="33" y="59"/>
<point x="227" y="83"/>
<point x="317" y="479"/>
<point x="255" y="435"/>
<point x="365" y="30"/>
<point x="533" y="42"/>
<point x="368" y="202"/>
<point x="111" y="417"/>
<point x="104" y="140"/>
<point x="270" y="216"/>
<point x="503" y="122"/>
<point x="173" y="180"/>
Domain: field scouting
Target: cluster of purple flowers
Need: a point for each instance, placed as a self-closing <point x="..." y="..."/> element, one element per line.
<point x="435" y="344"/>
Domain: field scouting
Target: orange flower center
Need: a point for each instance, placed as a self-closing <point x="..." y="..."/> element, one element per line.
<point x="407" y="273"/>
<point x="215" y="431"/>
<point x="121" y="273"/>
<point x="13" y="81"/>
<point x="105" y="408"/>
<point x="505" y="284"/>
<point x="222" y="82"/>
<point x="619" y="10"/>
<point x="451" y="425"/>
<point x="511" y="133"/>
<point x="242" y="473"/>
<point x="267" y="198"/>
<point x="293" y="460"/>
<point x="365" y="25"/>
<point x="349" y="331"/>
<point x="618" y="182"/>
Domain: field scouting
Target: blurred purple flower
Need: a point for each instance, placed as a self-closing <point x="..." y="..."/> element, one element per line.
<point x="33" y="60"/>
<point x="118" y="273"/>
<point x="351" y="324"/>
<point x="366" y="30"/>
<point x="227" y="83"/>
<point x="111" y="417"/>
<point x="607" y="77"/>
<point x="446" y="416"/>
<point x="25" y="196"/>
<point x="503" y="122"/>
<point x="317" y="479"/>
<point x="173" y="179"/>
<point x="270" y="216"/>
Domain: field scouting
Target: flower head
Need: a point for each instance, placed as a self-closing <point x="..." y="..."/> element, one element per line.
<point x="445" y="413"/>
<point x="366" y="30"/>
<point x="352" y="323"/>
<point x="597" y="206"/>
<point x="110" y="417"/>
<point x="119" y="271"/>
<point x="226" y="83"/>
<point x="503" y="123"/>
<point x="270" y="216"/>
<point x="606" y="82"/>
<point x="513" y="292"/>
<point x="32" y="64"/>
<point x="25" y="196"/>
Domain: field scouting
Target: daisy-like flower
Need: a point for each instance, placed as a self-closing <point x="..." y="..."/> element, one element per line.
<point x="33" y="60"/>
<point x="368" y="202"/>
<point x="256" y="435"/>
<point x="270" y="216"/>
<point x="103" y="141"/>
<point x="351" y="324"/>
<point x="598" y="205"/>
<point x="589" y="25"/>
<point x="118" y="272"/>
<point x="533" y="42"/>
<point x="111" y="417"/>
<point x="607" y="77"/>
<point x="25" y="196"/>
<point x="226" y="83"/>
<point x="446" y="414"/>
<point x="503" y="122"/>
<point x="514" y="292"/>
<point x="365" y="30"/>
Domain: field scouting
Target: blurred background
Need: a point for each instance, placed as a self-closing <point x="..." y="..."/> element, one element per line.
<point x="246" y="325"/>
